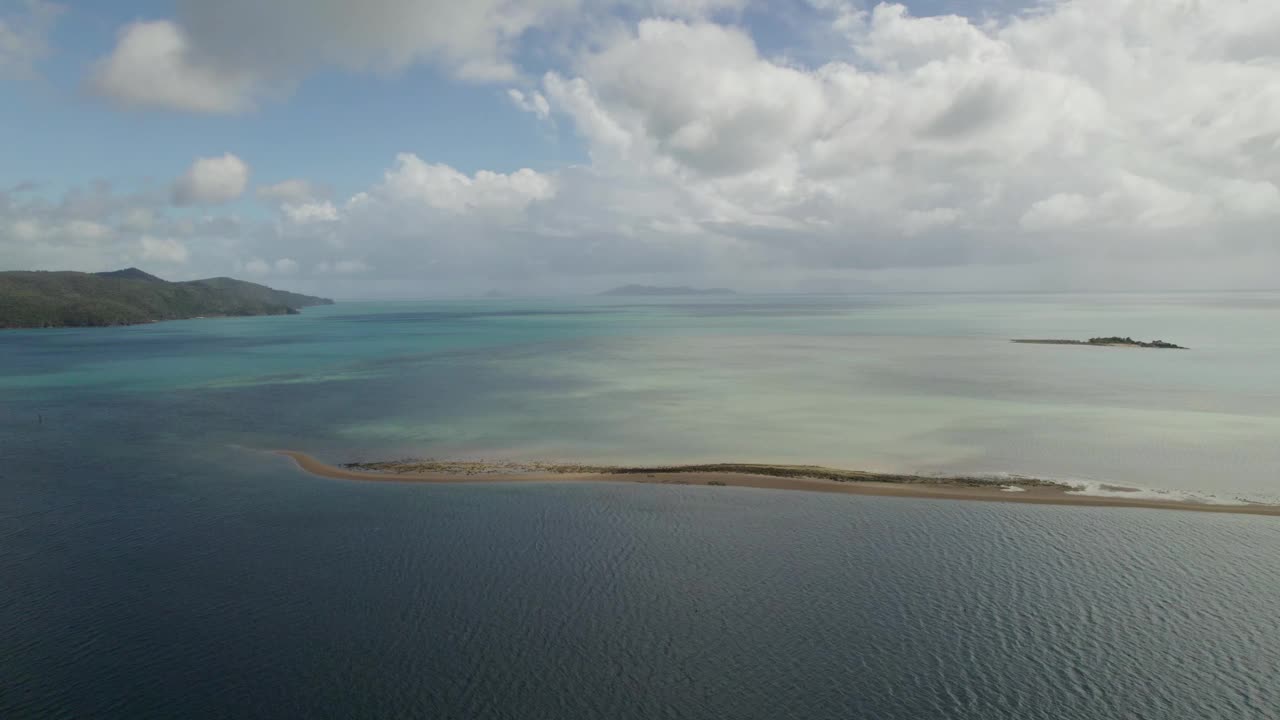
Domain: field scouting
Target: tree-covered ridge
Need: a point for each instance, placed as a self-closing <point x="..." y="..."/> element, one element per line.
<point x="131" y="296"/>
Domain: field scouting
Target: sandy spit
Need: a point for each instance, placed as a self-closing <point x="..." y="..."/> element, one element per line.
<point x="940" y="488"/>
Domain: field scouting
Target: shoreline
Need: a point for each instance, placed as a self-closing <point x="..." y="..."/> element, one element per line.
<point x="766" y="477"/>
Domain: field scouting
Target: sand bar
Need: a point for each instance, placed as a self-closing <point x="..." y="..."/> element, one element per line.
<point x="771" y="477"/>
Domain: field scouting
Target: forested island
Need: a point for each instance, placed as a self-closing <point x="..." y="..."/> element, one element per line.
<point x="130" y="297"/>
<point x="1114" y="341"/>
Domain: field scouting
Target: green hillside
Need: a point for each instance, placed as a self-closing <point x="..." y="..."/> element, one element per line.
<point x="131" y="296"/>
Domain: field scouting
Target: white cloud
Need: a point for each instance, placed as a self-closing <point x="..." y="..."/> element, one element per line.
<point x="917" y="222"/>
<point x="162" y="250"/>
<point x="341" y="267"/>
<point x="941" y="141"/>
<point x="1251" y="198"/>
<point x="474" y="39"/>
<point x="154" y="65"/>
<point x="86" y="230"/>
<point x="349" y="267"/>
<point x="532" y="102"/>
<point x="305" y="213"/>
<point x="438" y="186"/>
<point x="293" y="191"/>
<point x="699" y="95"/>
<point x="24" y="36"/>
<point x="1062" y="210"/>
<point x="97" y="228"/>
<point x="37" y="229"/>
<point x="221" y="57"/>
<point x="688" y="8"/>
<point x="26" y="231"/>
<point x="1139" y="136"/>
<point x="138" y="219"/>
<point x="211" y="181"/>
<point x="257" y="266"/>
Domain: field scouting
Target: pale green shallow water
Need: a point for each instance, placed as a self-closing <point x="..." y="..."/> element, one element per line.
<point x="921" y="383"/>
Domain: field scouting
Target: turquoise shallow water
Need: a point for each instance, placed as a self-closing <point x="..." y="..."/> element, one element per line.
<point x="922" y="383"/>
<point x="157" y="564"/>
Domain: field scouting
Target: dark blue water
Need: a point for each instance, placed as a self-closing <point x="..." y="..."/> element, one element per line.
<point x="154" y="563"/>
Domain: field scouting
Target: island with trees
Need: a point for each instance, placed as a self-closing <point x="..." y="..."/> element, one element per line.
<point x="1113" y="341"/>
<point x="130" y="297"/>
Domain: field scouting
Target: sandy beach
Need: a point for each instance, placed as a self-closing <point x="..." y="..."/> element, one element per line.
<point x="1029" y="491"/>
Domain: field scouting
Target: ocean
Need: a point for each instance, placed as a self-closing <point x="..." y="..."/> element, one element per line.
<point x="157" y="562"/>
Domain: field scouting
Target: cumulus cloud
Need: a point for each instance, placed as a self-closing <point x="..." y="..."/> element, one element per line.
<point x="441" y="187"/>
<point x="307" y="213"/>
<point x="347" y="267"/>
<point x="222" y="57"/>
<point x="533" y="102"/>
<point x="944" y="141"/>
<point x="211" y="181"/>
<point x="24" y="36"/>
<point x="699" y="95"/>
<point x="341" y="267"/>
<point x="257" y="266"/>
<point x="1141" y="137"/>
<point x="279" y="268"/>
<point x="473" y="39"/>
<point x="138" y="219"/>
<point x="287" y="191"/>
<point x="162" y="250"/>
<point x="1062" y="210"/>
<point x="155" y="65"/>
<point x="96" y="228"/>
<point x="1251" y="198"/>
<point x="86" y="230"/>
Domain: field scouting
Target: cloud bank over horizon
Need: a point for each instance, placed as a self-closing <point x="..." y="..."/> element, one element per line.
<point x="1076" y="144"/>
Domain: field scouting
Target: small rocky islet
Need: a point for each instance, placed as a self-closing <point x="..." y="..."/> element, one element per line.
<point x="1113" y="341"/>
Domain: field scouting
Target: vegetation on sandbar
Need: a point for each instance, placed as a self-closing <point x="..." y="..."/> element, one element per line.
<point x="815" y="472"/>
<point x="1113" y="341"/>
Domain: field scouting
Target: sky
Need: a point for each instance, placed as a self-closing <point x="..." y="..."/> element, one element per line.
<point x="429" y="148"/>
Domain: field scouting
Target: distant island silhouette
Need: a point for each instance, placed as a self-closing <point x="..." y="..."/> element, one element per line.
<point x="1113" y="341"/>
<point x="666" y="290"/>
